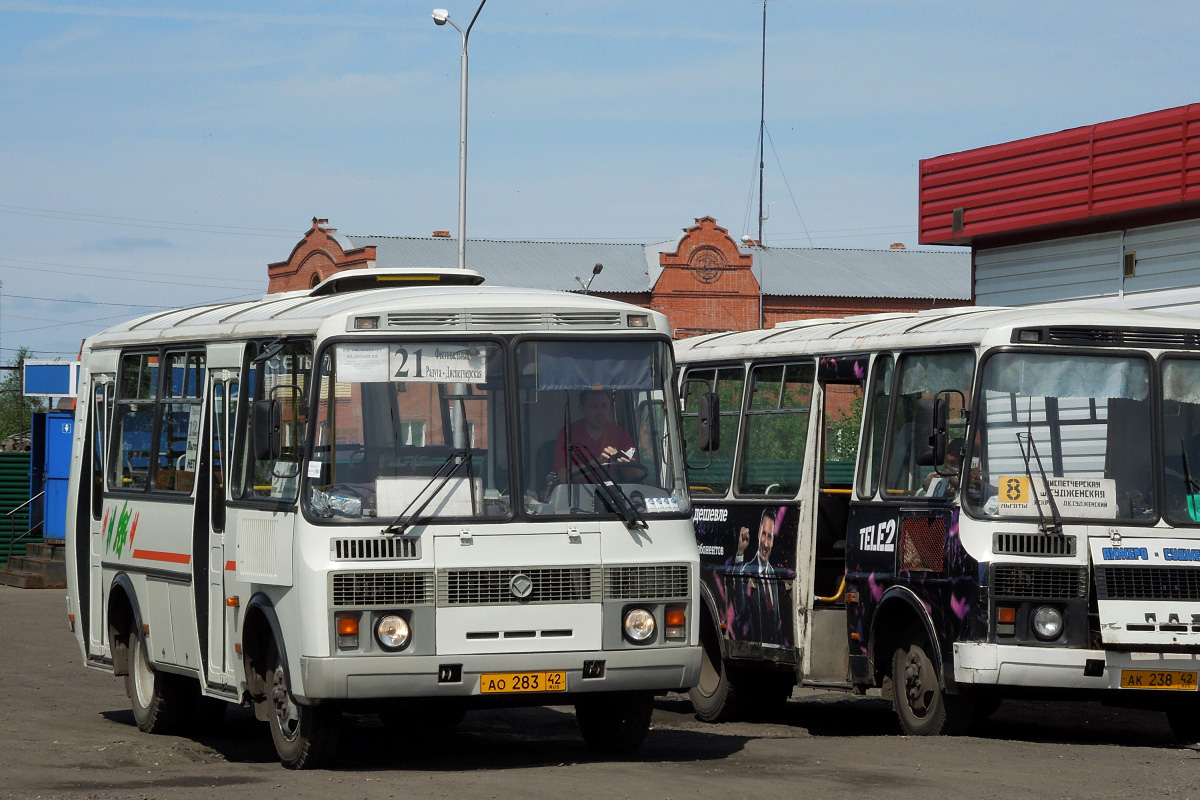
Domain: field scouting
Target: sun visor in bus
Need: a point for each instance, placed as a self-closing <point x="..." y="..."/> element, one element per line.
<point x="618" y="365"/>
<point x="358" y="280"/>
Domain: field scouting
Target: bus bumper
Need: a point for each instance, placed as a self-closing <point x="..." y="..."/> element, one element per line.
<point x="394" y="675"/>
<point x="986" y="664"/>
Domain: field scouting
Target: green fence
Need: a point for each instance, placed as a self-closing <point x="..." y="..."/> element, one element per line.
<point x="14" y="490"/>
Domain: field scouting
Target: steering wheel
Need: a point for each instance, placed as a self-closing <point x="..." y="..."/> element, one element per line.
<point x="626" y="471"/>
<point x="621" y="471"/>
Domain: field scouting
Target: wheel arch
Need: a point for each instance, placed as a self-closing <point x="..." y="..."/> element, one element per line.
<point x="899" y="611"/>
<point x="123" y="617"/>
<point x="710" y="619"/>
<point x="260" y="628"/>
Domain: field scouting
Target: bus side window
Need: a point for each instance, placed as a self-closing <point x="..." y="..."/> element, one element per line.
<point x="772" y="460"/>
<point x="101" y="417"/>
<point x="879" y="400"/>
<point x="179" y="428"/>
<point x="921" y="376"/>
<point x="224" y="412"/>
<point x="728" y="383"/>
<point x="283" y="377"/>
<point x="137" y="391"/>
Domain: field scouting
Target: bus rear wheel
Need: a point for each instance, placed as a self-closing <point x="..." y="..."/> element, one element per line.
<point x="305" y="736"/>
<point x="616" y="724"/>
<point x="162" y="702"/>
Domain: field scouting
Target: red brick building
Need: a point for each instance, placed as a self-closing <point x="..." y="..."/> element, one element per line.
<point x="704" y="281"/>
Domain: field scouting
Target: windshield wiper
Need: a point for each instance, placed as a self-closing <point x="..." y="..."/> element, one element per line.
<point x="445" y="472"/>
<point x="609" y="490"/>
<point x="1024" y="438"/>
<point x="1193" y="485"/>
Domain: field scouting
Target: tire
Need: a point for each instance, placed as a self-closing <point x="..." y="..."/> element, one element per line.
<point x="1184" y="719"/>
<point x="714" y="697"/>
<point x="922" y="706"/>
<point x="305" y="736"/>
<point x="615" y="724"/>
<point x="162" y="703"/>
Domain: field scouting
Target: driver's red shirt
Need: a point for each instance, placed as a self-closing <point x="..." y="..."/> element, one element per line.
<point x="613" y="436"/>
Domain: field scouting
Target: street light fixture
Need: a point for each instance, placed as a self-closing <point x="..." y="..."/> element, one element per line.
<point x="441" y="17"/>
<point x="595" y="271"/>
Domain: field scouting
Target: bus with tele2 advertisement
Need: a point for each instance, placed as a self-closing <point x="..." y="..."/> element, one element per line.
<point x="952" y="506"/>
<point x="400" y="493"/>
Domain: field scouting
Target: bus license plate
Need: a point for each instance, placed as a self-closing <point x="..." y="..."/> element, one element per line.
<point x="513" y="682"/>
<point x="1158" y="679"/>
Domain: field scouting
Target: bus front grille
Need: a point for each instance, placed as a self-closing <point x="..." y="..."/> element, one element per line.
<point x="374" y="548"/>
<point x="651" y="582"/>
<point x="1012" y="580"/>
<point x="411" y="588"/>
<point x="1148" y="583"/>
<point x="458" y="587"/>
<point x="1032" y="544"/>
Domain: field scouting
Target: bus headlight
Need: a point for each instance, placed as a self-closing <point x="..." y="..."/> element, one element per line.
<point x="1047" y="623"/>
<point x="639" y="625"/>
<point x="392" y="632"/>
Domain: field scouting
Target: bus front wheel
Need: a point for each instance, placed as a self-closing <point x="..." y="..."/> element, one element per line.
<point x="922" y="705"/>
<point x="305" y="736"/>
<point x="616" y="724"/>
<point x="162" y="702"/>
<point x="714" y="696"/>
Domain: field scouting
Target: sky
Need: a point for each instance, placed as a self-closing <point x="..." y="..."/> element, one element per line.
<point x="161" y="154"/>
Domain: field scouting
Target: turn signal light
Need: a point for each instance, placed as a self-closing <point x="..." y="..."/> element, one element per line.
<point x="347" y="632"/>
<point x="676" y="623"/>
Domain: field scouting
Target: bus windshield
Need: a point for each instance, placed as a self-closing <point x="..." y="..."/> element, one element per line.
<point x="413" y="429"/>
<point x="1079" y="423"/>
<point x="1181" y="440"/>
<point x="593" y="415"/>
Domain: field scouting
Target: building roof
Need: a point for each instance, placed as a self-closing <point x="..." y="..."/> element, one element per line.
<point x="783" y="271"/>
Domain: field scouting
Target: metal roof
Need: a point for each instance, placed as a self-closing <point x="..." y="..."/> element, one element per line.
<point x="783" y="271"/>
<point x="964" y="325"/>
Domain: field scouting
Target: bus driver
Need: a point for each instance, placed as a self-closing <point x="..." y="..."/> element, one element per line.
<point x="604" y="439"/>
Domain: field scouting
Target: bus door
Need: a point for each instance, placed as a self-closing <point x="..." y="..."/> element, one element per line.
<point x="763" y="535"/>
<point x="222" y="413"/>
<point x="839" y="402"/>
<point x="93" y="589"/>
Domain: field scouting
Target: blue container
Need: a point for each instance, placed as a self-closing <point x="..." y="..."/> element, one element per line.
<point x="52" y="433"/>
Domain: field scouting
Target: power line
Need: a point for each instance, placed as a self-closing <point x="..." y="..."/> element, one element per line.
<point x="135" y="222"/>
<point x="85" y="275"/>
<point x="85" y="302"/>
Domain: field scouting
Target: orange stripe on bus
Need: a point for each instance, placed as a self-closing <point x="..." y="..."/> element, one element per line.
<point x="155" y="555"/>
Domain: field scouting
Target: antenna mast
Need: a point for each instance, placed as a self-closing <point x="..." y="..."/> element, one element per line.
<point x="762" y="123"/>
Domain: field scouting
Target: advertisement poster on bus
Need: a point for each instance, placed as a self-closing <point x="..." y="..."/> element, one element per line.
<point x="748" y="560"/>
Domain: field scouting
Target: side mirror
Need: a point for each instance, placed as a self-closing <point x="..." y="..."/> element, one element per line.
<point x="268" y="417"/>
<point x="709" y="423"/>
<point x="929" y="432"/>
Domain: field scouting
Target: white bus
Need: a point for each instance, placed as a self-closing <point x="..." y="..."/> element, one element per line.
<point x="373" y="496"/>
<point x="954" y="506"/>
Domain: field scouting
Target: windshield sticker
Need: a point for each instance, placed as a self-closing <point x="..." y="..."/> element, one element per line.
<point x="1092" y="498"/>
<point x="427" y="363"/>
<point x="362" y="363"/>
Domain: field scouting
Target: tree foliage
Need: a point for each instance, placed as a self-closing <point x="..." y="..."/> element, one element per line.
<point x="16" y="410"/>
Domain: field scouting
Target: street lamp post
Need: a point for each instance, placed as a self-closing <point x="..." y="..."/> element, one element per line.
<point x="440" y="17"/>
